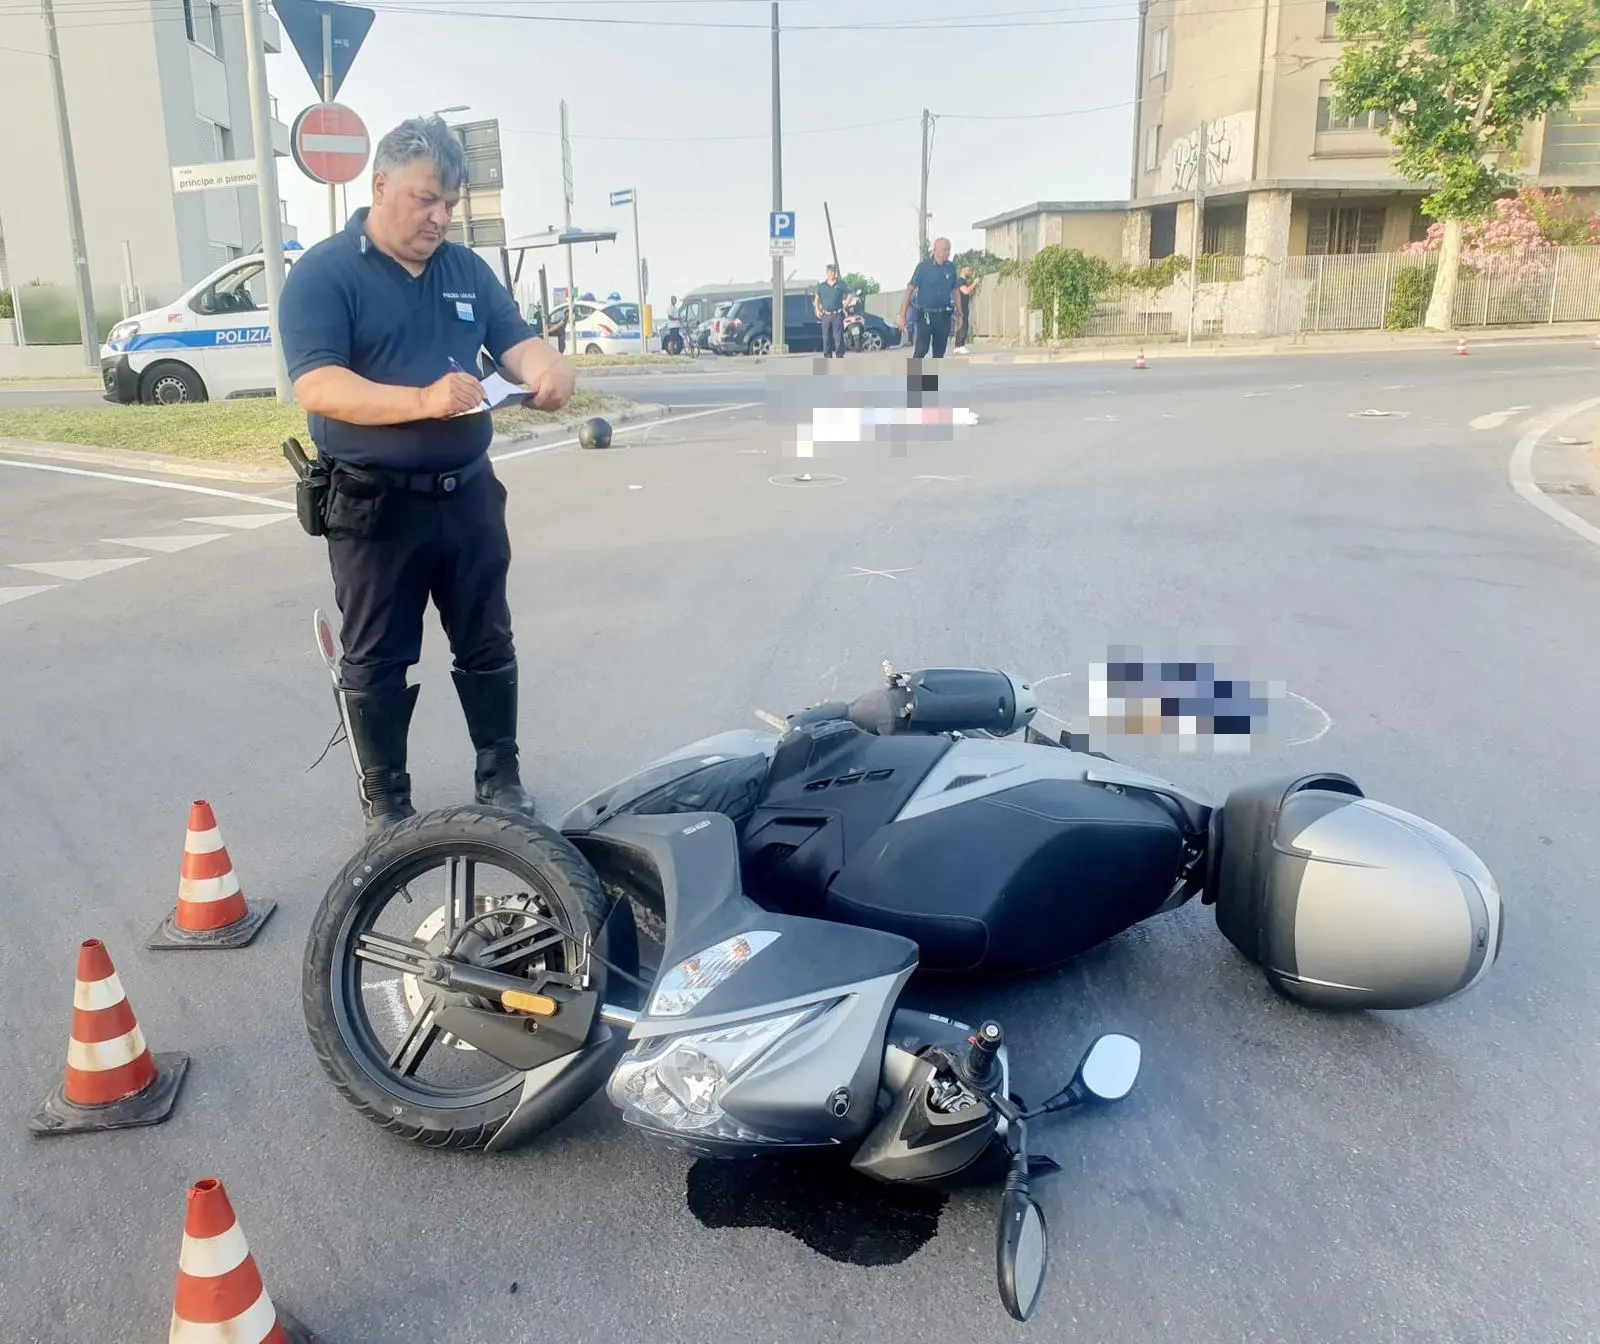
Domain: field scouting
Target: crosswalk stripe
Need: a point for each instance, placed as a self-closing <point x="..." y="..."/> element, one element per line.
<point x="79" y="569"/>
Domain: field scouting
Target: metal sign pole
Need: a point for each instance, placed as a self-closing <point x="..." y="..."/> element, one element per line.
<point x="266" y="190"/>
<point x="566" y="193"/>
<point x="1194" y="231"/>
<point x="327" y="97"/>
<point x="638" y="272"/>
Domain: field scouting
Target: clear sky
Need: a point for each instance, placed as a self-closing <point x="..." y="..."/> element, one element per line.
<point x="672" y="97"/>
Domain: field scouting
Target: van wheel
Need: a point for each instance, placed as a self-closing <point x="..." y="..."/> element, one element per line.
<point x="591" y="349"/>
<point x="170" y="385"/>
<point x="760" y="345"/>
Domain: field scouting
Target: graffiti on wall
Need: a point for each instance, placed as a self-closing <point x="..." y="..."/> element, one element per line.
<point x="1227" y="153"/>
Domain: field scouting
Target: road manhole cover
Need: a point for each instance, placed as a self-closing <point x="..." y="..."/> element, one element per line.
<point x="806" y="480"/>
<point x="1568" y="488"/>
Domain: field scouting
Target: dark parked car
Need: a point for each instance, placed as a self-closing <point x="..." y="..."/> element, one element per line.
<point x="747" y="329"/>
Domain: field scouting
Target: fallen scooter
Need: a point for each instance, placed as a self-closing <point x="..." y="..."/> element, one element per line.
<point x="795" y="882"/>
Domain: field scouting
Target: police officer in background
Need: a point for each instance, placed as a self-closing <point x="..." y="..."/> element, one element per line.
<point x="382" y="325"/>
<point x="932" y="290"/>
<point x="828" y="303"/>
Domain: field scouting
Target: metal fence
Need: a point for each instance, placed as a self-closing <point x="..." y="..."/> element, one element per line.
<point x="1252" y="296"/>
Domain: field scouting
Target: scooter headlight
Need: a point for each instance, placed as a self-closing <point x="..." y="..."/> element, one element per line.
<point x="677" y="1083"/>
<point x="680" y="990"/>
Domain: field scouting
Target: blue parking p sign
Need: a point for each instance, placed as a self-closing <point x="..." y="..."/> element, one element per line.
<point x="780" y="233"/>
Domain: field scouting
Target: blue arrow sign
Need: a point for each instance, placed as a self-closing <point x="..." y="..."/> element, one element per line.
<point x="302" y="20"/>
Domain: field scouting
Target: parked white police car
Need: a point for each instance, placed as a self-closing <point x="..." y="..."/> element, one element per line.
<point x="210" y="344"/>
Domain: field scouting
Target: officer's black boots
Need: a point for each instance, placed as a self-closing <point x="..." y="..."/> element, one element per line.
<point x="489" y="701"/>
<point x="379" y="724"/>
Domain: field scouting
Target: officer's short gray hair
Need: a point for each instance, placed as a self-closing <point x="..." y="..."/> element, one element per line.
<point x="427" y="138"/>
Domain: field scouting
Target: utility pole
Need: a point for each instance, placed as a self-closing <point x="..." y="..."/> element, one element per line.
<point x="69" y="168"/>
<point x="566" y="196"/>
<point x="266" y="189"/>
<point x="779" y="344"/>
<point x="922" y="209"/>
<point x="1194" y="233"/>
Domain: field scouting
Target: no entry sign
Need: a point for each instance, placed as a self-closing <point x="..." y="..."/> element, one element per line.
<point x="330" y="143"/>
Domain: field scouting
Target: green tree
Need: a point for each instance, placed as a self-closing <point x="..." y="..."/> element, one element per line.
<point x="864" y="283"/>
<point x="1461" y="80"/>
<point x="982" y="261"/>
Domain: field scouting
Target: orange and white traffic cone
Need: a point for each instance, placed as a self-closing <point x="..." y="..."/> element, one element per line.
<point x="112" y="1079"/>
<point x="1139" y="363"/>
<point x="221" y="1298"/>
<point x="1461" y="346"/>
<point x="212" y="911"/>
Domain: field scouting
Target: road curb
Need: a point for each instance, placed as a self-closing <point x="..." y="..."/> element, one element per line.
<point x="84" y="456"/>
<point x="1157" y="351"/>
<point x="1523" y="468"/>
<point x="640" y="370"/>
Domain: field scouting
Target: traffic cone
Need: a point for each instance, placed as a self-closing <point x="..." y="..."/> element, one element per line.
<point x="220" y="1297"/>
<point x="1461" y="346"/>
<point x="212" y="911"/>
<point x="112" y="1079"/>
<point x="1139" y="363"/>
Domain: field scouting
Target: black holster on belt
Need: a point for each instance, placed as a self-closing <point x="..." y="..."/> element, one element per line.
<point x="311" y="489"/>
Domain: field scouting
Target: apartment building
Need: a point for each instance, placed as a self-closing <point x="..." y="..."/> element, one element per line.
<point x="150" y="85"/>
<point x="1285" y="176"/>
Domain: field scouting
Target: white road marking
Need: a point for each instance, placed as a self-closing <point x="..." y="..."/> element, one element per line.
<point x="145" y="480"/>
<point x="1494" y="419"/>
<point x="18" y="593"/>
<point x="942" y="478"/>
<point x="869" y="573"/>
<point x="498" y="458"/>
<point x="1327" y="721"/>
<point x="244" y="521"/>
<point x="79" y="569"/>
<point x="166" y="545"/>
<point x="1520" y="469"/>
<point x="772" y="721"/>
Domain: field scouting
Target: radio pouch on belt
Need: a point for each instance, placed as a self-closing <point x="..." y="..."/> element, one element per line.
<point x="311" y="488"/>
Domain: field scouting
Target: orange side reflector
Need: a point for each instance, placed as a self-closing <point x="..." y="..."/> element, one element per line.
<point x="518" y="1002"/>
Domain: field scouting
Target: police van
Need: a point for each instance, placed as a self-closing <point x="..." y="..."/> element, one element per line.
<point x="211" y="344"/>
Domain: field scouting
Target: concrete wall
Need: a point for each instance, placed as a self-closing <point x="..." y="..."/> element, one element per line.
<point x="1097" y="233"/>
<point x="1210" y="74"/>
<point x="1271" y="115"/>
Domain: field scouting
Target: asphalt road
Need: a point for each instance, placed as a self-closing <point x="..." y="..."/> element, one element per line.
<point x="1426" y="1177"/>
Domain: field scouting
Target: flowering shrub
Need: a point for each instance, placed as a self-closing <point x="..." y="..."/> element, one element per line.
<point x="1533" y="218"/>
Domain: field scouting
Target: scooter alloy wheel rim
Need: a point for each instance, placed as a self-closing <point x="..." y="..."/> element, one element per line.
<point x="523" y="941"/>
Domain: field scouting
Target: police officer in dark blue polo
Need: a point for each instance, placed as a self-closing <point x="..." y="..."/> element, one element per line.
<point x="382" y="326"/>
<point x="932" y="289"/>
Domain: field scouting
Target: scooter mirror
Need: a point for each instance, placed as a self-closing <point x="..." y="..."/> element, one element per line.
<point x="1022" y="1253"/>
<point x="1109" y="1067"/>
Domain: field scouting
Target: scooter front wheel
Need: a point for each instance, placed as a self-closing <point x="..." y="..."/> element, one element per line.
<point x="486" y="888"/>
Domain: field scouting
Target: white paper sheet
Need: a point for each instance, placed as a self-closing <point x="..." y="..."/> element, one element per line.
<point x="498" y="393"/>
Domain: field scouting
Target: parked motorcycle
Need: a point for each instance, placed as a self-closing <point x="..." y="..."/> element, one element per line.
<point x="794" y="882"/>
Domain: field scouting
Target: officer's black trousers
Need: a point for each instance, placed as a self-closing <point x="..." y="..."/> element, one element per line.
<point x="933" y="329"/>
<point x="454" y="549"/>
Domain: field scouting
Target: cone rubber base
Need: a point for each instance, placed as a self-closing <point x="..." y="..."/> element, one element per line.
<point x="57" y="1115"/>
<point x="296" y="1332"/>
<point x="169" y="937"/>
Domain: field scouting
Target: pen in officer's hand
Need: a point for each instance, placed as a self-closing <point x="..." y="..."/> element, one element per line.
<point x="456" y="368"/>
